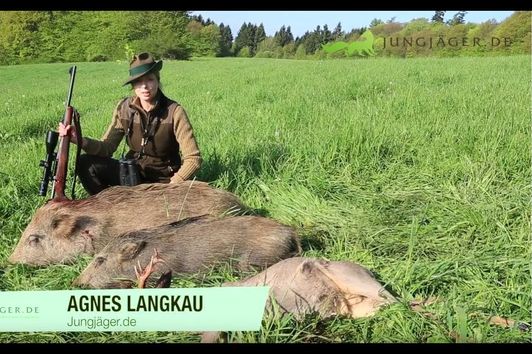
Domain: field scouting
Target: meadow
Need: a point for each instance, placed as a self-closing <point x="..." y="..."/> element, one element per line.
<point x="419" y="169"/>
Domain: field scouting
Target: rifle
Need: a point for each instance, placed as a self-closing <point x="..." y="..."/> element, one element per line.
<point x="56" y="163"/>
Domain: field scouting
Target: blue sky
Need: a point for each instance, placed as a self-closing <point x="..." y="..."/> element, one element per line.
<point x="302" y="21"/>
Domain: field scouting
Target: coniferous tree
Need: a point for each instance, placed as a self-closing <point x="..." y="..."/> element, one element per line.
<point x="259" y="36"/>
<point x="283" y="36"/>
<point x="313" y="40"/>
<point x="438" y="16"/>
<point x="375" y="22"/>
<point x="337" y="32"/>
<point x="289" y="37"/>
<point x="457" y="19"/>
<point x="242" y="38"/>
<point x="302" y="39"/>
<point x="252" y="29"/>
<point x="277" y="37"/>
<point x="326" y="35"/>
<point x="226" y="40"/>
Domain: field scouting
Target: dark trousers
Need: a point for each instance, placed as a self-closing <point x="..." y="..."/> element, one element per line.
<point x="97" y="173"/>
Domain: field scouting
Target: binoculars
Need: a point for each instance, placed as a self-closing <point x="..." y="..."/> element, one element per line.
<point x="129" y="172"/>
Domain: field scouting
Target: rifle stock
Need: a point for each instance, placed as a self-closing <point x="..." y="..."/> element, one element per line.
<point x="58" y="192"/>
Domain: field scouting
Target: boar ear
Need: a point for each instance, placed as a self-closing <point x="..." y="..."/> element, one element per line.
<point x="131" y="249"/>
<point x="68" y="225"/>
<point x="82" y="222"/>
<point x="61" y="225"/>
<point x="307" y="267"/>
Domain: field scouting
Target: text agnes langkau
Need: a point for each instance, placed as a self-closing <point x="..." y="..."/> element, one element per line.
<point x="142" y="303"/>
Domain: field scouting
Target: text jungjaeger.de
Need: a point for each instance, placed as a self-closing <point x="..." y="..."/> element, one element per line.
<point x="442" y="42"/>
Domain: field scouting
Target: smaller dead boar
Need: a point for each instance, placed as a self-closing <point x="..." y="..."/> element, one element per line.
<point x="302" y="286"/>
<point x="62" y="230"/>
<point x="192" y="246"/>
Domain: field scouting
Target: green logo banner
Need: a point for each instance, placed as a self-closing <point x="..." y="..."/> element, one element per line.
<point x="174" y="309"/>
<point x="362" y="47"/>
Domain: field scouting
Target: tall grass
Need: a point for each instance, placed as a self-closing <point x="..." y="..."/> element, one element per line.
<point x="418" y="169"/>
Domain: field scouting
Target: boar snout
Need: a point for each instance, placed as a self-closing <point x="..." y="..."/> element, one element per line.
<point x="12" y="259"/>
<point x="79" y="283"/>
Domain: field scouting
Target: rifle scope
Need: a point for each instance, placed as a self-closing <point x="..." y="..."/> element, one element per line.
<point x="51" y="143"/>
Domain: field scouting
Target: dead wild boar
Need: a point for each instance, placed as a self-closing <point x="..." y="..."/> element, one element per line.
<point x="60" y="231"/>
<point x="192" y="246"/>
<point x="302" y="286"/>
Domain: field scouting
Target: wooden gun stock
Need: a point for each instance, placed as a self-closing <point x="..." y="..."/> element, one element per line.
<point x="62" y="160"/>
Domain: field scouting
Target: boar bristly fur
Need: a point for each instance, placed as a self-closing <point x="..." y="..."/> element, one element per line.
<point x="62" y="230"/>
<point x="193" y="245"/>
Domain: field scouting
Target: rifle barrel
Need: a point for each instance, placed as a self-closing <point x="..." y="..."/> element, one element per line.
<point x="72" y="72"/>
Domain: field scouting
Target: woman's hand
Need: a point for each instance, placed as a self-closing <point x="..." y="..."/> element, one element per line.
<point x="69" y="130"/>
<point x="176" y="179"/>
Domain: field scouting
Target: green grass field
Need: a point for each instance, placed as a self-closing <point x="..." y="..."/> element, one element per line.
<point x="418" y="169"/>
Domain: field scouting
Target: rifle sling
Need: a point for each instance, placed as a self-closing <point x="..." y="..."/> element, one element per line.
<point x="79" y="139"/>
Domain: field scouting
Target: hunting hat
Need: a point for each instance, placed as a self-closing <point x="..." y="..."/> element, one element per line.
<point x="142" y="64"/>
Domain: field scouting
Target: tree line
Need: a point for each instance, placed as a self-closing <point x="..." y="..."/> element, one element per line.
<point x="69" y="36"/>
